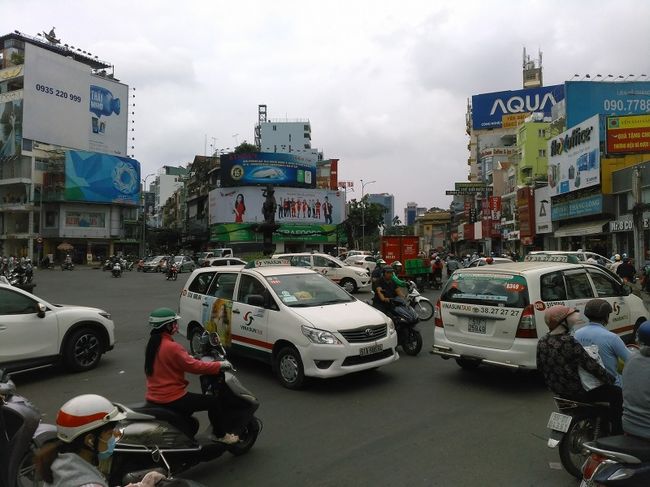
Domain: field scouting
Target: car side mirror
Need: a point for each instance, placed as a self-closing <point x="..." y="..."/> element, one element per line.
<point x="41" y="309"/>
<point x="626" y="290"/>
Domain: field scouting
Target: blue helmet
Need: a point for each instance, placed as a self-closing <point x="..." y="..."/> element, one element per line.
<point x="643" y="333"/>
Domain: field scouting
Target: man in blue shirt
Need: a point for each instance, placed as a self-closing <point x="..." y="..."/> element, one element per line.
<point x="610" y="348"/>
<point x="636" y="387"/>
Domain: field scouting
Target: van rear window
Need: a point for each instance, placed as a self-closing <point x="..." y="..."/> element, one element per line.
<point x="505" y="290"/>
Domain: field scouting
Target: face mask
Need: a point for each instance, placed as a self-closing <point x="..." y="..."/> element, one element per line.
<point x="174" y="329"/>
<point x="110" y="446"/>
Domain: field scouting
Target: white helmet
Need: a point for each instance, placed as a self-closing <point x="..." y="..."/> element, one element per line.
<point x="85" y="413"/>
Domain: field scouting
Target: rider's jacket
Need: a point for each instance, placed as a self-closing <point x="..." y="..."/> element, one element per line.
<point x="636" y="394"/>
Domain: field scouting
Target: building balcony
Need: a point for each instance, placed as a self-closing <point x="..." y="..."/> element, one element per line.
<point x="14" y="180"/>
<point x="17" y="236"/>
<point x="17" y="207"/>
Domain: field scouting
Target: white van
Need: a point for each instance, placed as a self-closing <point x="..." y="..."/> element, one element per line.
<point x="293" y="318"/>
<point x="350" y="278"/>
<point x="495" y="314"/>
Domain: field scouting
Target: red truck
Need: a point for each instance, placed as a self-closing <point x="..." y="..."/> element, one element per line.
<point x="399" y="247"/>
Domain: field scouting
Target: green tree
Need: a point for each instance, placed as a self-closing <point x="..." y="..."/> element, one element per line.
<point x="245" y="147"/>
<point x="360" y="212"/>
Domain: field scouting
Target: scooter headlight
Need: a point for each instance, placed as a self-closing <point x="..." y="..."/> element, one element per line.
<point x="321" y="337"/>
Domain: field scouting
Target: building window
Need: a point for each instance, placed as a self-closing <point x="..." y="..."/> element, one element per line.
<point x="275" y="127"/>
<point x="542" y="152"/>
<point x="289" y="137"/>
<point x="27" y="144"/>
<point x="541" y="133"/>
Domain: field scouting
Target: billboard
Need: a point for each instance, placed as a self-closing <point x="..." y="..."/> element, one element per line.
<point x="587" y="98"/>
<point x="260" y="168"/>
<point x="628" y="134"/>
<point x="11" y="126"/>
<point x="574" y="158"/>
<point x="294" y="205"/>
<point x="543" y="223"/>
<point x="496" y="110"/>
<point x="67" y="105"/>
<point x="100" y="178"/>
<point x="240" y="232"/>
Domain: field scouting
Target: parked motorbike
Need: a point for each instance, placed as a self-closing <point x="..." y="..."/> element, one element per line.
<point x="150" y="426"/>
<point x="21" y="434"/>
<point x="67" y="266"/>
<point x="117" y="269"/>
<point x="108" y="265"/>
<point x="419" y="303"/>
<point x="172" y="273"/>
<point x="19" y="279"/>
<point x="617" y="461"/>
<point x="140" y="266"/>
<point x="575" y="424"/>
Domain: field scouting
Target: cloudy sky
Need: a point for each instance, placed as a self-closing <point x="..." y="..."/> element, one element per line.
<point x="384" y="84"/>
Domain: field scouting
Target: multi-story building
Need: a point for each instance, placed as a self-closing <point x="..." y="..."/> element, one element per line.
<point x="412" y="211"/>
<point x="168" y="180"/>
<point x="388" y="202"/>
<point x="64" y="187"/>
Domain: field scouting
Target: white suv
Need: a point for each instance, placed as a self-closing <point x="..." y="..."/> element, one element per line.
<point x="495" y="314"/>
<point x="350" y="278"/>
<point x="34" y="333"/>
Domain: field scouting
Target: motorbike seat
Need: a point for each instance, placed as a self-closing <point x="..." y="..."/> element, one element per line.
<point x="630" y="445"/>
<point x="189" y="425"/>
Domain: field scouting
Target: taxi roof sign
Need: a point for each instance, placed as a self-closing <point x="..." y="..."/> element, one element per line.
<point x="267" y="263"/>
<point x="557" y="258"/>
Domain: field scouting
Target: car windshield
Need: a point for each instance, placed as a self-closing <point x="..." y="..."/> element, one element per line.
<point x="307" y="290"/>
<point x="178" y="259"/>
<point x="490" y="289"/>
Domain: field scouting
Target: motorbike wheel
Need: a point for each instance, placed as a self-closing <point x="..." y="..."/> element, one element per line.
<point x="27" y="471"/>
<point x="572" y="453"/>
<point x="412" y="343"/>
<point x="175" y="276"/>
<point x="288" y="367"/>
<point x="247" y="438"/>
<point x="82" y="350"/>
<point x="424" y="309"/>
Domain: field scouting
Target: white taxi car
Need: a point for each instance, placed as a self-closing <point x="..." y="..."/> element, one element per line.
<point x="35" y="333"/>
<point x="350" y="278"/>
<point x="495" y="314"/>
<point x="293" y="318"/>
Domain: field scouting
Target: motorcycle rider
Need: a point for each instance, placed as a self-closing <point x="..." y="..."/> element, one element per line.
<point x="86" y="436"/>
<point x="636" y="387"/>
<point x="452" y="265"/>
<point x="436" y="271"/>
<point x="385" y="289"/>
<point x="378" y="272"/>
<point x="165" y="365"/>
<point x="610" y="346"/>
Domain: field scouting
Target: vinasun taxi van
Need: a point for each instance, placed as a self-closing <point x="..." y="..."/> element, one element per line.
<point x="294" y="318"/>
<point x="495" y="314"/>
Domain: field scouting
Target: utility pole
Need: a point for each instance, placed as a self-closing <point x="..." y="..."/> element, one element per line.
<point x="363" y="214"/>
<point x="637" y="215"/>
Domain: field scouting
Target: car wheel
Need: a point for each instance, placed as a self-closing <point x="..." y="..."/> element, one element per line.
<point x="194" y="337"/>
<point x="349" y="285"/>
<point x="82" y="350"/>
<point x="468" y="364"/>
<point x="289" y="369"/>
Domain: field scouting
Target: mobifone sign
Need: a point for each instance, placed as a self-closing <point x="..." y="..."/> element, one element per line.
<point x="574" y="158"/>
<point x="495" y="110"/>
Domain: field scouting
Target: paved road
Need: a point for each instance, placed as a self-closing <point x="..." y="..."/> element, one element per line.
<point x="419" y="422"/>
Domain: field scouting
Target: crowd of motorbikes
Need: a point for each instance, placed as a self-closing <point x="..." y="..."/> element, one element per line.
<point x="153" y="437"/>
<point x="19" y="274"/>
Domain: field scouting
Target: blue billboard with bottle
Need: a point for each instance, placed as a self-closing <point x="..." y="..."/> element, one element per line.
<point x="262" y="168"/>
<point x="489" y="110"/>
<point x="587" y="98"/>
<point x="101" y="178"/>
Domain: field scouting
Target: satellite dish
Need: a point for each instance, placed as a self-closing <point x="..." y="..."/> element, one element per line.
<point x="51" y="37"/>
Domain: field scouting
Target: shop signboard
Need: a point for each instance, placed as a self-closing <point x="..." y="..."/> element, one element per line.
<point x="101" y="178"/>
<point x="262" y="168"/>
<point x="587" y="98"/>
<point x="574" y="158"/>
<point x="628" y="134"/>
<point x="294" y="205"/>
<point x="592" y="205"/>
<point x="626" y="225"/>
<point x="11" y="128"/>
<point x="526" y="206"/>
<point x="243" y="232"/>
<point x="543" y="222"/>
<point x="94" y="109"/>
<point x="495" y="110"/>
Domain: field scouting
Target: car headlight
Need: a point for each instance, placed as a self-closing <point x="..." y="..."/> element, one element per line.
<point x="320" y="336"/>
<point x="391" y="327"/>
<point x="105" y="314"/>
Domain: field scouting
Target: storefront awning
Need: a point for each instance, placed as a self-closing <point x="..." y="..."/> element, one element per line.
<point x="586" y="228"/>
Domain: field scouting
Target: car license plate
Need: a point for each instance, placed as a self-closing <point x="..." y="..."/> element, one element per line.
<point x="559" y="422"/>
<point x="370" y="350"/>
<point x="477" y="325"/>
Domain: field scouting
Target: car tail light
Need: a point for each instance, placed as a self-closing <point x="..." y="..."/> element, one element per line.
<point x="527" y="327"/>
<point x="437" y="313"/>
<point x="591" y="465"/>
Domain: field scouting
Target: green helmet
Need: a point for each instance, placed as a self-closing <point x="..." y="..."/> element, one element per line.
<point x="161" y="317"/>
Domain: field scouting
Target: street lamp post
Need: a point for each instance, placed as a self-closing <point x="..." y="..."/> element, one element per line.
<point x="363" y="214"/>
<point x="144" y="214"/>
